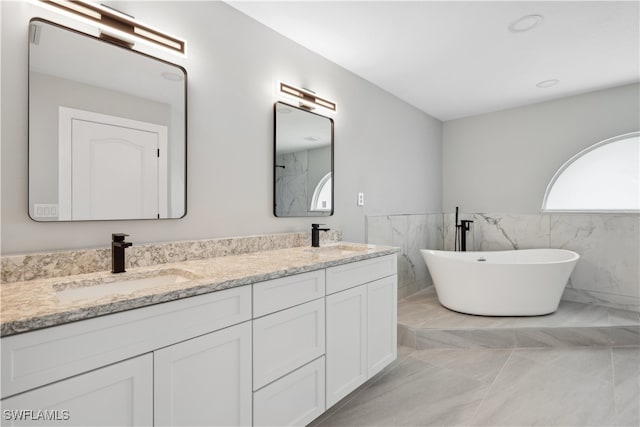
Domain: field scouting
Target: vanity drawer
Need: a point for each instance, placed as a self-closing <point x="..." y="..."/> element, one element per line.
<point x="285" y="292"/>
<point x="286" y="340"/>
<point x="294" y="400"/>
<point x="347" y="276"/>
<point x="40" y="357"/>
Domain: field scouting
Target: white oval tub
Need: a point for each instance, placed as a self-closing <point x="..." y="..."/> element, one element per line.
<point x="526" y="282"/>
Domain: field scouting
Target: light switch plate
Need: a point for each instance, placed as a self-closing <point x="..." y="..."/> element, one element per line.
<point x="360" y="199"/>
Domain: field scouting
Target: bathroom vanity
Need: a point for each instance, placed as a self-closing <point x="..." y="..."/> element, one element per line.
<point x="268" y="338"/>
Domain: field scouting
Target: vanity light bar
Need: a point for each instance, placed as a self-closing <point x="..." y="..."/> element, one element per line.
<point x="118" y="22"/>
<point x="307" y="97"/>
<point x="76" y="7"/>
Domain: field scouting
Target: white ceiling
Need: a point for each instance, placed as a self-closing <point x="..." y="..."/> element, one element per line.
<point x="454" y="59"/>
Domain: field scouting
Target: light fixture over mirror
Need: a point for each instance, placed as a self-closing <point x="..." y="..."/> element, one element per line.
<point x="303" y="163"/>
<point x="307" y="99"/>
<point x="107" y="130"/>
<point x="118" y="21"/>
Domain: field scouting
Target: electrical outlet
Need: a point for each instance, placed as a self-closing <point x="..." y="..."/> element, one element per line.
<point x="45" y="210"/>
<point x="360" y="199"/>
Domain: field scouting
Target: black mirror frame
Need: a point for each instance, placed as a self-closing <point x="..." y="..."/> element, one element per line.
<point x="275" y="121"/>
<point x="120" y="46"/>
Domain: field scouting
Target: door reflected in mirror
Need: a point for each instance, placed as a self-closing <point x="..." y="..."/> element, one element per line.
<point x="303" y="177"/>
<point x="107" y="130"/>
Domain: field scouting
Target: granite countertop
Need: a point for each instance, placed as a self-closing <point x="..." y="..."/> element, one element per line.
<point x="35" y="304"/>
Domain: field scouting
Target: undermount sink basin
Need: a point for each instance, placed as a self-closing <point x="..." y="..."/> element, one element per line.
<point x="98" y="288"/>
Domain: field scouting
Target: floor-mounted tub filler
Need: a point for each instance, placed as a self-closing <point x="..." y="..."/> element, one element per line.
<point x="525" y="282"/>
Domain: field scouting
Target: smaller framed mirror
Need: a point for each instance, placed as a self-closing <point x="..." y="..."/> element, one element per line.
<point x="303" y="163"/>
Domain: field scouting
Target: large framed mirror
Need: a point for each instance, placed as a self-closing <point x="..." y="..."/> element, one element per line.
<point x="107" y="130"/>
<point x="303" y="163"/>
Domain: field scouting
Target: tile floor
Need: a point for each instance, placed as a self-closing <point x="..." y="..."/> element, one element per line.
<point x="423" y="323"/>
<point x="542" y="383"/>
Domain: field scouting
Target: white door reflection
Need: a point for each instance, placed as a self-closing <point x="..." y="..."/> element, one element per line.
<point x="110" y="167"/>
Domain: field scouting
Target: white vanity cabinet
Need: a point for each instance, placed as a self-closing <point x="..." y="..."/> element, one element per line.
<point x="361" y="323"/>
<point x="294" y="400"/>
<point x="116" y="395"/>
<point x="273" y="353"/>
<point x="205" y="381"/>
<point x="286" y="340"/>
<point x="382" y="323"/>
<point x="289" y="348"/>
<point x="110" y="364"/>
<point x="346" y="342"/>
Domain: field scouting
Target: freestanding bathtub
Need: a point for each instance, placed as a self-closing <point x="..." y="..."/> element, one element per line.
<point x="524" y="282"/>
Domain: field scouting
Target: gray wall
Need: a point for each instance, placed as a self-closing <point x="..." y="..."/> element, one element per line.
<point x="383" y="146"/>
<point x="503" y="161"/>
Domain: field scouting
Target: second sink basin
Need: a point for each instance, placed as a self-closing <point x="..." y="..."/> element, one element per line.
<point x="94" y="289"/>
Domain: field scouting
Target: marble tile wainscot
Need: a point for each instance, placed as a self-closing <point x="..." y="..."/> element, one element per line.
<point x="410" y="233"/>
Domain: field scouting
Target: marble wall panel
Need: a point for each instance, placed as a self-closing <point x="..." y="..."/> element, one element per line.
<point x="410" y="233"/>
<point x="506" y="231"/>
<point x="499" y="232"/>
<point x="609" y="246"/>
<point x="291" y="184"/>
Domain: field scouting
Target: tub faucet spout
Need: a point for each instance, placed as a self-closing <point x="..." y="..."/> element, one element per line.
<point x="464" y="227"/>
<point x="461" y="233"/>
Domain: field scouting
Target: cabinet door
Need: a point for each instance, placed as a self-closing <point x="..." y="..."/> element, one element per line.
<point x="116" y="395"/>
<point x="205" y="380"/>
<point x="382" y="309"/>
<point x="346" y="342"/>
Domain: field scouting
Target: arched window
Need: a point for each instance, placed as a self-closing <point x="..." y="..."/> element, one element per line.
<point x="602" y="178"/>
<point x="321" y="200"/>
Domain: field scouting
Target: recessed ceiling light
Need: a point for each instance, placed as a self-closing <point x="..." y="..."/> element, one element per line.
<point x="525" y="23"/>
<point x="547" y="83"/>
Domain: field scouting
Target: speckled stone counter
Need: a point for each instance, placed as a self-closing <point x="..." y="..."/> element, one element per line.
<point x="22" y="267"/>
<point x="35" y="304"/>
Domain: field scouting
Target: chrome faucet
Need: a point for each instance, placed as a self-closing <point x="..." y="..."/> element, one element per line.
<point x="315" y="234"/>
<point x="118" y="245"/>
